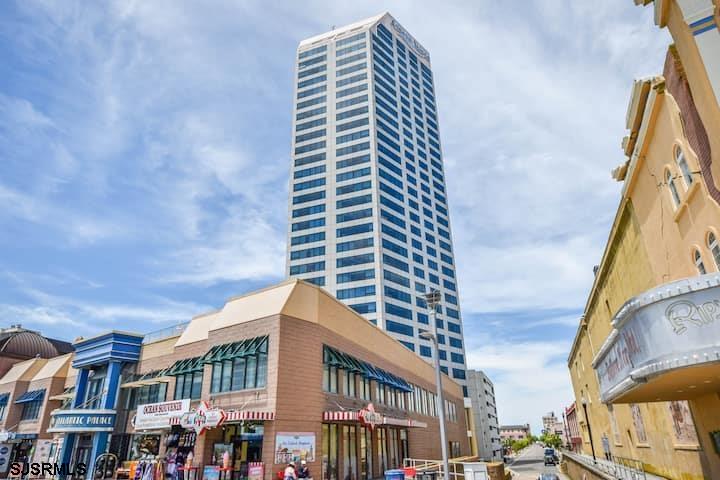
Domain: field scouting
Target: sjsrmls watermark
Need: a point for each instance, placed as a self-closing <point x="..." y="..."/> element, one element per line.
<point x="44" y="469"/>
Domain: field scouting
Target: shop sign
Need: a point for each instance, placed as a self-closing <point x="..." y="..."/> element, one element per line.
<point x="154" y="416"/>
<point x="82" y="421"/>
<point x="211" y="472"/>
<point x="656" y="332"/>
<point x="294" y="447"/>
<point x="369" y="417"/>
<point x="202" y="418"/>
<point x="256" y="471"/>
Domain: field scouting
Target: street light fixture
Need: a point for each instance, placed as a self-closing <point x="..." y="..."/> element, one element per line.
<point x="433" y="299"/>
<point x="587" y="420"/>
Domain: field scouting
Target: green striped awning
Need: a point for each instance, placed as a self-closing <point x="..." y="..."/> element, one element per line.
<point x="229" y="351"/>
<point x="188" y="365"/>
<point x="336" y="358"/>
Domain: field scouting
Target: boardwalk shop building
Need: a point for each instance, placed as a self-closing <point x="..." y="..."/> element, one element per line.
<point x="286" y="373"/>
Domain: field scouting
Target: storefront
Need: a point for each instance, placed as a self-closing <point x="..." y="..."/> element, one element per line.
<point x="284" y="374"/>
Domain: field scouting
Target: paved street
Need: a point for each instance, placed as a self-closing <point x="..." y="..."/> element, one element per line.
<point x="529" y="464"/>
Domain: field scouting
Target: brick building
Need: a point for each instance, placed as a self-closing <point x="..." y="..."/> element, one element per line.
<point x="295" y="374"/>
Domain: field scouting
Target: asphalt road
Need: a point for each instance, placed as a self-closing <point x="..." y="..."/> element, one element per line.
<point x="529" y="464"/>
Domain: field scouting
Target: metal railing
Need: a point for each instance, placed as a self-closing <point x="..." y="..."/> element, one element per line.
<point x="620" y="468"/>
<point x="435" y="467"/>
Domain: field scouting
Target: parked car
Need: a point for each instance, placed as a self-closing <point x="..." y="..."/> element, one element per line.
<point x="548" y="476"/>
<point x="550" y="457"/>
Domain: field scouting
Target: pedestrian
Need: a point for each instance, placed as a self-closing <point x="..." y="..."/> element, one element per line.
<point x="290" y="473"/>
<point x="606" y="447"/>
<point x="304" y="471"/>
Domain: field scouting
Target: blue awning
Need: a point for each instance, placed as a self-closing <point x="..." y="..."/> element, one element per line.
<point x="4" y="399"/>
<point x="31" y="396"/>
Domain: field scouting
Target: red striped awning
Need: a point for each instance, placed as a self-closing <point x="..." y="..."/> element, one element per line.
<point x="352" y="416"/>
<point x="345" y="415"/>
<point x="239" y="415"/>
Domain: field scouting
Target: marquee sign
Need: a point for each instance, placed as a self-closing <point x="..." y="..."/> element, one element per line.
<point x="369" y="417"/>
<point x="674" y="325"/>
<point x="80" y="420"/>
<point x="202" y="418"/>
<point x="414" y="44"/>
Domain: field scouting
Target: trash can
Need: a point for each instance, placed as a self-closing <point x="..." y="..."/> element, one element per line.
<point x="394" y="475"/>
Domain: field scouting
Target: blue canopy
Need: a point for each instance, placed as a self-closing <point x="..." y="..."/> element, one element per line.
<point x="31" y="396"/>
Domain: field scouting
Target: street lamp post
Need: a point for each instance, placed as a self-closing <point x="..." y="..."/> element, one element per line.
<point x="433" y="300"/>
<point x="587" y="420"/>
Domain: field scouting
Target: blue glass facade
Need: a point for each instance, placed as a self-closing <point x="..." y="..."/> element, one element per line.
<point x="367" y="147"/>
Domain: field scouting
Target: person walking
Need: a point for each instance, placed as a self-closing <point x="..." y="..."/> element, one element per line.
<point x="304" y="471"/>
<point x="290" y="473"/>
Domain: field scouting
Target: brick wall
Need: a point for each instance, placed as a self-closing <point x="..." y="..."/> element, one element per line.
<point x="695" y="131"/>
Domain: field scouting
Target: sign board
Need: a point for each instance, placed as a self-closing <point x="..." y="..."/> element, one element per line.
<point x="211" y="472"/>
<point x="671" y="322"/>
<point x="475" y="471"/>
<point x="369" y="417"/>
<point x="82" y="421"/>
<point x="43" y="448"/>
<point x="294" y="447"/>
<point x="5" y="452"/>
<point x="202" y="418"/>
<point x="153" y="416"/>
<point x="256" y="471"/>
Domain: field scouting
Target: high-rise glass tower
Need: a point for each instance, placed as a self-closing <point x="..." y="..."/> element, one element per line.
<point x="368" y="204"/>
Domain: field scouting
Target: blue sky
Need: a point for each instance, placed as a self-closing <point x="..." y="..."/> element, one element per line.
<point x="144" y="161"/>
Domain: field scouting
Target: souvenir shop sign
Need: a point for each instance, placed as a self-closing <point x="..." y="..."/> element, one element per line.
<point x="154" y="416"/>
<point x="82" y="421"/>
<point x="202" y="418"/>
<point x="294" y="446"/>
<point x="369" y="417"/>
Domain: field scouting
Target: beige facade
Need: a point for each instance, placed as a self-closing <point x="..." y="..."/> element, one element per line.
<point x="663" y="232"/>
<point x="300" y="321"/>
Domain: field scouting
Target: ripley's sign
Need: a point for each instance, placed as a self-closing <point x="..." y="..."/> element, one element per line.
<point x="654" y="337"/>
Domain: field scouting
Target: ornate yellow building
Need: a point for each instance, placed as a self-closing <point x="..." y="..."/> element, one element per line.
<point x="646" y="357"/>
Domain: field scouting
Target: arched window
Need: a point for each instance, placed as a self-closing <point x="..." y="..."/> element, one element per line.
<point x="714" y="248"/>
<point x="699" y="263"/>
<point x="673" y="188"/>
<point x="684" y="168"/>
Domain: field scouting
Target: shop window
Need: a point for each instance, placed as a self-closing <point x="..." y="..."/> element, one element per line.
<point x="330" y="441"/>
<point x="366" y="457"/>
<point x="240" y="373"/>
<point x="380" y="393"/>
<point x="188" y="385"/>
<point x="714" y="248"/>
<point x="31" y="410"/>
<point x="146" y="394"/>
<point x="2" y="411"/>
<point x="382" y="449"/>
<point x="697" y="258"/>
<point x="350" y="384"/>
<point x="350" y="464"/>
<point x="330" y="378"/>
<point x="365" y="388"/>
<point x="94" y="392"/>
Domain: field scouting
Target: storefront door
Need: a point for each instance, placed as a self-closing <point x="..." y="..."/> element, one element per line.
<point x="82" y="454"/>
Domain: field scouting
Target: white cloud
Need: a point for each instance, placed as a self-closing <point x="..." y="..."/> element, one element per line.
<point x="530" y="378"/>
